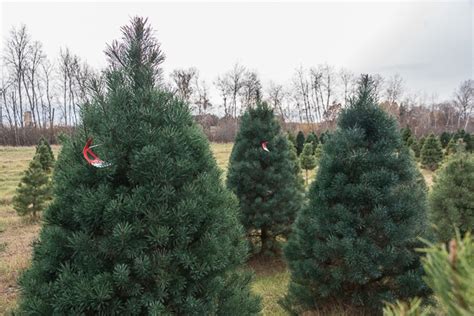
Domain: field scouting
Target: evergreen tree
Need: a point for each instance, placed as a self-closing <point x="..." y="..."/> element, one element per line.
<point x="318" y="152"/>
<point x="323" y="137"/>
<point x="313" y="140"/>
<point x="415" y="146"/>
<point x="445" y="138"/>
<point x="45" y="154"/>
<point x="354" y="243"/>
<point x="153" y="233"/>
<point x="407" y="136"/>
<point x="296" y="166"/>
<point x="265" y="182"/>
<point x="307" y="158"/>
<point x="421" y="142"/>
<point x="431" y="153"/>
<point x="299" y="142"/>
<point x="451" y="147"/>
<point x="33" y="192"/>
<point x="452" y="197"/>
<point x="292" y="139"/>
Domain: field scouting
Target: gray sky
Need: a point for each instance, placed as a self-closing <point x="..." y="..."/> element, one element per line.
<point x="430" y="44"/>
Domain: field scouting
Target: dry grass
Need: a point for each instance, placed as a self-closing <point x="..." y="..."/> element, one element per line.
<point x="16" y="234"/>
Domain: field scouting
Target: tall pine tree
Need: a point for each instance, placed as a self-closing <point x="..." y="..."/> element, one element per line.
<point x="431" y="153"/>
<point x="155" y="232"/>
<point x="299" y="142"/>
<point x="354" y="244"/>
<point x="308" y="159"/>
<point x="265" y="182"/>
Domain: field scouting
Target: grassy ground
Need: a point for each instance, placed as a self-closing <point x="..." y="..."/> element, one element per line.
<point x="16" y="234"/>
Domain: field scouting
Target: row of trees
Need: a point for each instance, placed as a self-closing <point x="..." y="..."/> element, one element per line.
<point x="156" y="232"/>
<point x="52" y="90"/>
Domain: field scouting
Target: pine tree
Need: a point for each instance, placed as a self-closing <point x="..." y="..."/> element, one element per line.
<point x="296" y="166"/>
<point x="431" y="153"/>
<point x="265" y="182"/>
<point x="292" y="139"/>
<point x="299" y="142"/>
<point x="33" y="192"/>
<point x="45" y="154"/>
<point x="451" y="147"/>
<point x="307" y="158"/>
<point x="318" y="152"/>
<point x="407" y="136"/>
<point x="153" y="233"/>
<point x="445" y="138"/>
<point x="422" y="142"/>
<point x="354" y="243"/>
<point x="452" y="198"/>
<point x="313" y="140"/>
<point x="415" y="146"/>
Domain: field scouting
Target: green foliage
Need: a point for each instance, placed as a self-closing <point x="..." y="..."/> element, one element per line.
<point x="412" y="308"/>
<point x="318" y="152"/>
<point x="444" y="138"/>
<point x="155" y="233"/>
<point x="33" y="192"/>
<point x="466" y="137"/>
<point x="422" y="142"/>
<point x="296" y="164"/>
<point x="313" y="140"/>
<point x="452" y="198"/>
<point x="451" y="147"/>
<point x="45" y="154"/>
<point x="299" y="142"/>
<point x="292" y="139"/>
<point x="415" y="146"/>
<point x="407" y="136"/>
<point x="307" y="159"/>
<point x="431" y="153"/>
<point x="451" y="275"/>
<point x="324" y="137"/>
<point x="354" y="243"/>
<point x="265" y="182"/>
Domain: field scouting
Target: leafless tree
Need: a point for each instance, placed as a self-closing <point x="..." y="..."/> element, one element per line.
<point x="394" y="89"/>
<point x="348" y="84"/>
<point x="276" y="96"/>
<point x="464" y="101"/>
<point x="201" y="96"/>
<point x="182" y="82"/>
<point x="230" y="85"/>
<point x="250" y="92"/>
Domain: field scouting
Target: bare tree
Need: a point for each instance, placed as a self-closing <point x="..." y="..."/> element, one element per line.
<point x="250" y="92"/>
<point x="182" y="80"/>
<point x="464" y="101"/>
<point x="394" y="89"/>
<point x="276" y="96"/>
<point x="16" y="58"/>
<point x="348" y="84"/>
<point x="202" y="101"/>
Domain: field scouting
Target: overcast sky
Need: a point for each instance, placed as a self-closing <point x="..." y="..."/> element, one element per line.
<point x="430" y="44"/>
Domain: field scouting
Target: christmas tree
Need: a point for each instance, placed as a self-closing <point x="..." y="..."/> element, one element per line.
<point x="297" y="166"/>
<point x="33" y="192"/>
<point x="265" y="182"/>
<point x="45" y="154"/>
<point x="445" y="138"/>
<point x="313" y="140"/>
<point x="318" y="152"/>
<point x="452" y="198"/>
<point x="299" y="142"/>
<point x="407" y="137"/>
<point x="431" y="153"/>
<point x="415" y="146"/>
<point x="307" y="158"/>
<point x="152" y="231"/>
<point x="292" y="139"/>
<point x="354" y="244"/>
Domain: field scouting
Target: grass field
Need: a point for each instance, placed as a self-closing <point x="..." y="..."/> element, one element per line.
<point x="16" y="234"/>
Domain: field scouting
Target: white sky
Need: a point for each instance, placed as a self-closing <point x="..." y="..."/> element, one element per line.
<point x="430" y="44"/>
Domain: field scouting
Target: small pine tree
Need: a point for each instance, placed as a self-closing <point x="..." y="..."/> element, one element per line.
<point x="415" y="146"/>
<point x="431" y="153"/>
<point x="297" y="166"/>
<point x="422" y="142"/>
<point x="312" y="139"/>
<point x="45" y="154"/>
<point x="318" y="152"/>
<point x="354" y="243"/>
<point x="323" y="137"/>
<point x="307" y="159"/>
<point x="407" y="136"/>
<point x="265" y="182"/>
<point x="445" y="138"/>
<point x="452" y="197"/>
<point x="292" y="139"/>
<point x="154" y="233"/>
<point x="299" y="142"/>
<point x="451" y="147"/>
<point x="33" y="192"/>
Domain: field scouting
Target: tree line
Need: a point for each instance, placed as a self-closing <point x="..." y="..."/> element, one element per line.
<point x="40" y="92"/>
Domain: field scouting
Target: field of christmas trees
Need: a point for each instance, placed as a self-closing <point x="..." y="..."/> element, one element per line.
<point x="137" y="213"/>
